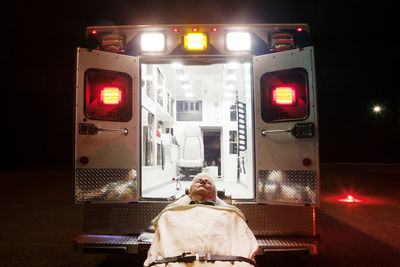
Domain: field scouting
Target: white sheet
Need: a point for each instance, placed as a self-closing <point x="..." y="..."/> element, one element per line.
<point x="220" y="230"/>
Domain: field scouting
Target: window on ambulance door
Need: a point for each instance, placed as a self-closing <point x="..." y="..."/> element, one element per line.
<point x="108" y="95"/>
<point x="284" y="95"/>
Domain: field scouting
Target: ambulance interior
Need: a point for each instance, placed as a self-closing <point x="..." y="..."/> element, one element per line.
<point x="196" y="118"/>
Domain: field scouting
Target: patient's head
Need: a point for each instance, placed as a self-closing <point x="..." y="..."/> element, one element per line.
<point x="203" y="188"/>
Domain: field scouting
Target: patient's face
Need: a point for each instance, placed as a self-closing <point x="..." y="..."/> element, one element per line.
<point x="202" y="188"/>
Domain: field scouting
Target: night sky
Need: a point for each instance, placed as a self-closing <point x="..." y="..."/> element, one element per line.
<point x="356" y="60"/>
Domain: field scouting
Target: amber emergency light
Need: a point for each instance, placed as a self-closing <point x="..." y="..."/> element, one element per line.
<point x="195" y="41"/>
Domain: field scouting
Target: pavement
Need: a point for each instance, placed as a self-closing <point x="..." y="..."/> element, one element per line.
<point x="39" y="220"/>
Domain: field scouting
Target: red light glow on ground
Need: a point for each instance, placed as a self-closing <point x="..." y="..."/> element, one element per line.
<point x="349" y="198"/>
<point x="355" y="199"/>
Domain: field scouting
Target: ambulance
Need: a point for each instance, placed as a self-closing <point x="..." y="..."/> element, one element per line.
<point x="157" y="104"/>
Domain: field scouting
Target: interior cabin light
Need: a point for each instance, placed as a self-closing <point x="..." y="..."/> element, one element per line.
<point x="195" y="41"/>
<point x="238" y="41"/>
<point x="177" y="65"/>
<point x="152" y="42"/>
<point x="189" y="94"/>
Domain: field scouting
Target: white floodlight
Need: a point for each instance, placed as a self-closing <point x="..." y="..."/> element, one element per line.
<point x="152" y="42"/>
<point x="238" y="41"/>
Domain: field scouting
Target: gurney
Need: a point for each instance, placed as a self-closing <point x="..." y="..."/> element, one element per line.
<point x="205" y="233"/>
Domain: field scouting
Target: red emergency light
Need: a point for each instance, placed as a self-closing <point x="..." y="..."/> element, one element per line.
<point x="108" y="95"/>
<point x="349" y="198"/>
<point x="111" y="96"/>
<point x="214" y="29"/>
<point x="283" y="95"/>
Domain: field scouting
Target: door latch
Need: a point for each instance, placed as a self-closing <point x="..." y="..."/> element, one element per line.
<point x="300" y="130"/>
<point x="91" y="129"/>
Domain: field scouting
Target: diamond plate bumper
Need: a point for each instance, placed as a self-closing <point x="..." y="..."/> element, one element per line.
<point x="132" y="244"/>
<point x="287" y="186"/>
<point x="105" y="185"/>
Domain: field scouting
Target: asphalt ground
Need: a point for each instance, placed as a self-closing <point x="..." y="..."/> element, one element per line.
<point x="39" y="220"/>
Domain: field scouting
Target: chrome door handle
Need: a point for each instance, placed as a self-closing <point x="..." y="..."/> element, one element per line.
<point x="300" y="130"/>
<point x="265" y="132"/>
<point x="124" y="131"/>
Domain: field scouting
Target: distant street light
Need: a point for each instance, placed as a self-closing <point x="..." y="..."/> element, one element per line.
<point x="377" y="109"/>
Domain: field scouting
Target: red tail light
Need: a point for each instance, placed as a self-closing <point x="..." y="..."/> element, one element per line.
<point x="111" y="96"/>
<point x="108" y="95"/>
<point x="283" y="96"/>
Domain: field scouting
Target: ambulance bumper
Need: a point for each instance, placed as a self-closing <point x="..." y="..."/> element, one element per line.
<point x="90" y="243"/>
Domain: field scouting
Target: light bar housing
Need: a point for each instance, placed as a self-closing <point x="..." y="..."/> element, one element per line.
<point x="203" y="39"/>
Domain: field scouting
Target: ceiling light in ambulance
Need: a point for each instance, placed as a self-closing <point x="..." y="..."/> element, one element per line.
<point x="232" y="65"/>
<point x="231" y="77"/>
<point x="182" y="78"/>
<point x="111" y="96"/>
<point x="152" y="42"/>
<point x="177" y="65"/>
<point x="238" y="41"/>
<point x="195" y="41"/>
<point x="284" y="96"/>
<point x="230" y="86"/>
<point x="185" y="86"/>
<point x="189" y="94"/>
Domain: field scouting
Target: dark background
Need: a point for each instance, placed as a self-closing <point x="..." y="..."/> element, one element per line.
<point x="356" y="56"/>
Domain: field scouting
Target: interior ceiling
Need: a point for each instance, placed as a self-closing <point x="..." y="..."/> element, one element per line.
<point x="204" y="82"/>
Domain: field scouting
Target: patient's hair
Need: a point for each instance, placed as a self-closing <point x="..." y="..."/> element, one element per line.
<point x="209" y="178"/>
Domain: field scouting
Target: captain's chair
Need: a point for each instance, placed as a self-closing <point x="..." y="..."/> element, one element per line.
<point x="191" y="158"/>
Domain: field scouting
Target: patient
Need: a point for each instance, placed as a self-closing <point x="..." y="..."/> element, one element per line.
<point x="202" y="190"/>
<point x="201" y="228"/>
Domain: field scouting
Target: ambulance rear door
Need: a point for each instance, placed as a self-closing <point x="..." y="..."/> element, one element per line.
<point x="286" y="135"/>
<point x="106" y="155"/>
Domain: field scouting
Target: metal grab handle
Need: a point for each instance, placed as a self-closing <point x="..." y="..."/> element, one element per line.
<point x="264" y="132"/>
<point x="124" y="131"/>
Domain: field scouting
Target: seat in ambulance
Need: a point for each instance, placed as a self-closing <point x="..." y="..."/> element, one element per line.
<point x="191" y="156"/>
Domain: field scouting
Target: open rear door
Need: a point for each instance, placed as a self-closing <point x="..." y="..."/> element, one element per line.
<point x="106" y="127"/>
<point x="286" y="137"/>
